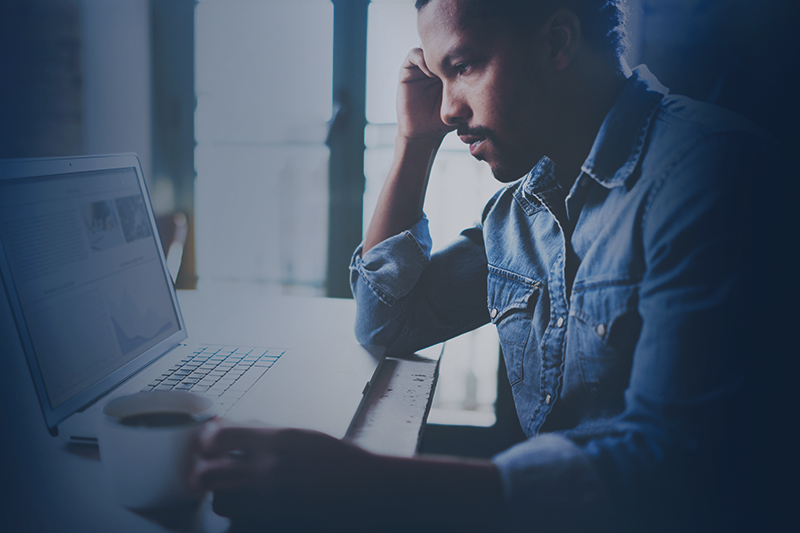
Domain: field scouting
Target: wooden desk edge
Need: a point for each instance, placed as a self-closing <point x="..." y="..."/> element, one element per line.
<point x="395" y="407"/>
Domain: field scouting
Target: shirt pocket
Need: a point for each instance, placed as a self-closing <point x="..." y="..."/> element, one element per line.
<point x="511" y="300"/>
<point x="604" y="337"/>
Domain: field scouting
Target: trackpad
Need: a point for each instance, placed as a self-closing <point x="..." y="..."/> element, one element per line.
<point x="321" y="401"/>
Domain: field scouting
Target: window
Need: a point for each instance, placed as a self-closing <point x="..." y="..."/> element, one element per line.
<point x="261" y="193"/>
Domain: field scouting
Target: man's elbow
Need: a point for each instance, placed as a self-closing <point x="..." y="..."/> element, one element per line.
<point x="370" y="331"/>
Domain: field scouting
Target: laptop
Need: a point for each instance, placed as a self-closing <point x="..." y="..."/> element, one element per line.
<point x="97" y="315"/>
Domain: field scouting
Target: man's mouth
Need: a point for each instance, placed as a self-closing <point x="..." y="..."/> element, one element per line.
<point x="474" y="142"/>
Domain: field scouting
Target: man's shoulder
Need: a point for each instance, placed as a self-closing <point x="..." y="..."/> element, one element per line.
<point x="689" y="136"/>
<point x="678" y="127"/>
<point x="682" y="114"/>
<point x="687" y="117"/>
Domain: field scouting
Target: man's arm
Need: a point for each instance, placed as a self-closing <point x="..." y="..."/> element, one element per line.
<point x="420" y="131"/>
<point x="683" y="455"/>
<point x="295" y="480"/>
<point x="407" y="299"/>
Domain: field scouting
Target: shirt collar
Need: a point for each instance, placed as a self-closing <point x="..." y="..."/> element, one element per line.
<point x="542" y="178"/>
<point x="619" y="143"/>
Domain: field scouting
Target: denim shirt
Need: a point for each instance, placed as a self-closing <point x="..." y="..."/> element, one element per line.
<point x="618" y="305"/>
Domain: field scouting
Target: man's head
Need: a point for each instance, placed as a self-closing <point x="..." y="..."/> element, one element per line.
<point x="518" y="76"/>
<point x="602" y="21"/>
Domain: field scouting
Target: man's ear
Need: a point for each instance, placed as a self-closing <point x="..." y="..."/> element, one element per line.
<point x="564" y="37"/>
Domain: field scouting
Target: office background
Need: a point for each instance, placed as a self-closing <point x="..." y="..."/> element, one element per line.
<point x="266" y="126"/>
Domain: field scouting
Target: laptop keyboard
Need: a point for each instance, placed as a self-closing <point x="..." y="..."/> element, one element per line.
<point x="223" y="373"/>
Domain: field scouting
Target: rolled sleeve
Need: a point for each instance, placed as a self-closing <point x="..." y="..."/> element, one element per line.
<point x="407" y="298"/>
<point x="391" y="268"/>
<point x="380" y="278"/>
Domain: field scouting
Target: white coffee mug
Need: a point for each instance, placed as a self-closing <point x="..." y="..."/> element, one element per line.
<point x="149" y="443"/>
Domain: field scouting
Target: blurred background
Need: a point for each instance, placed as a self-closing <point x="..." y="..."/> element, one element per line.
<point x="265" y="129"/>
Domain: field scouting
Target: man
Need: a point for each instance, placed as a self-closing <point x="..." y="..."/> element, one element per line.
<point x="614" y="266"/>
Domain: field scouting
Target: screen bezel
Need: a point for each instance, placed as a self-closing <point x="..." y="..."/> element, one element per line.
<point x="44" y="167"/>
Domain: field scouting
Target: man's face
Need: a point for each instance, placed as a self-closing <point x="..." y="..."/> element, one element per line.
<point x="493" y="88"/>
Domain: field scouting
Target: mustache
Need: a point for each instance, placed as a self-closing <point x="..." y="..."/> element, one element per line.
<point x="477" y="131"/>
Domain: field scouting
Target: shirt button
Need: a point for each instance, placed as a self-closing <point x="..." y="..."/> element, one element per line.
<point x="547" y="399"/>
<point x="601" y="329"/>
<point x="493" y="313"/>
<point x="560" y="321"/>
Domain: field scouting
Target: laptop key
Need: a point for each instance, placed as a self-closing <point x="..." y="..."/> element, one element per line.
<point x="246" y="381"/>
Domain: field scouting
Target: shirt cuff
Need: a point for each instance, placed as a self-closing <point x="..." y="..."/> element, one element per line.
<point x="391" y="268"/>
<point x="549" y="482"/>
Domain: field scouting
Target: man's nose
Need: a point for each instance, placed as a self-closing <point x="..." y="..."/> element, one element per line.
<point x="455" y="110"/>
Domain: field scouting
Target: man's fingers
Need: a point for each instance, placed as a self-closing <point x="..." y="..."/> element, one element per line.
<point x="234" y="472"/>
<point x="414" y="67"/>
<point x="218" y="438"/>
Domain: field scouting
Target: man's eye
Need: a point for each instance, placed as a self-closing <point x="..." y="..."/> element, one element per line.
<point x="462" y="68"/>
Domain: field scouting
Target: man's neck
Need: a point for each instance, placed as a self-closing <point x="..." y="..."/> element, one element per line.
<point x="589" y="94"/>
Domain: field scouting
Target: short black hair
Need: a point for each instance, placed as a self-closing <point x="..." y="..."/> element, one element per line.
<point x="602" y="21"/>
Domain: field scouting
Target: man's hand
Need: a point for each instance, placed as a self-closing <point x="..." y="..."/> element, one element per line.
<point x="420" y="131"/>
<point x="297" y="480"/>
<point x="286" y="478"/>
<point x="419" y="100"/>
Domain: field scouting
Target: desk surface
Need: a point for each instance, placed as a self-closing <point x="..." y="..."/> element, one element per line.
<point x="51" y="486"/>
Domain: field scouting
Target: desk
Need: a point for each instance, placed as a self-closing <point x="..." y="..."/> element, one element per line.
<point x="52" y="487"/>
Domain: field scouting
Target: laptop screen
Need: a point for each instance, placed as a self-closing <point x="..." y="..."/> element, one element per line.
<point x="88" y="274"/>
